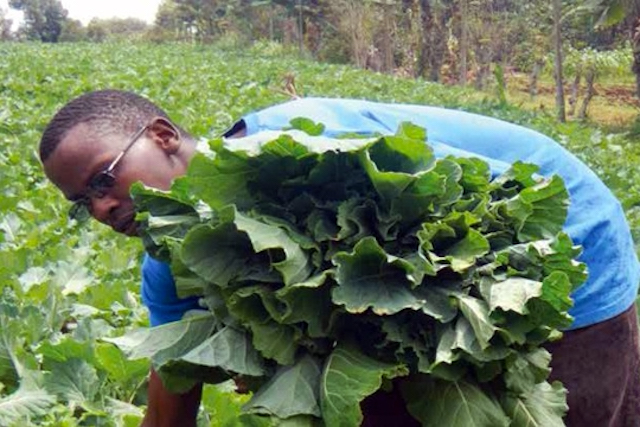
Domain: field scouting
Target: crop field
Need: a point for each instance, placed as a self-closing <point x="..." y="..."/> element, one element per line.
<point x="67" y="286"/>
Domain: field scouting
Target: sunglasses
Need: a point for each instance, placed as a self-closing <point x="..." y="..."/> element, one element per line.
<point x="100" y="184"/>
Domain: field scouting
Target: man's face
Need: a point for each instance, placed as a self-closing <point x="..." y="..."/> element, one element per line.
<point x="155" y="159"/>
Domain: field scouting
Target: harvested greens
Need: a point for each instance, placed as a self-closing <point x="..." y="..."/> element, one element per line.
<point x="330" y="267"/>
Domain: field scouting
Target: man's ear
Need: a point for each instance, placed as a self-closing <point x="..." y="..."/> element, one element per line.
<point x="165" y="134"/>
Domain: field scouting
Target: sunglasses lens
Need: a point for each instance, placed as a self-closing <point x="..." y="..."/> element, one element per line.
<point x="101" y="183"/>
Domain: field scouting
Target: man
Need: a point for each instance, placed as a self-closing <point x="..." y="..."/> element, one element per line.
<point x="100" y="143"/>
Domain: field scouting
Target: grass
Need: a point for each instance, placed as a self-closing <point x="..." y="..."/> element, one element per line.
<point x="613" y="107"/>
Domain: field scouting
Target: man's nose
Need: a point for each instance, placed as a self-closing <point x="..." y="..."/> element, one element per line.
<point x="102" y="208"/>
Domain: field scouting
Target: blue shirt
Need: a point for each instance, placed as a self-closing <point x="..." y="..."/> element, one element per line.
<point x="595" y="218"/>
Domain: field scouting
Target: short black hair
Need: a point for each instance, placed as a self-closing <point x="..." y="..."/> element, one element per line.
<point x="108" y="111"/>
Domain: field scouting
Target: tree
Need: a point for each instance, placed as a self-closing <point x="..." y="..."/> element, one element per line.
<point x="636" y="54"/>
<point x="557" y="43"/>
<point x="612" y="12"/>
<point x="115" y="28"/>
<point x="96" y="32"/>
<point x="464" y="40"/>
<point x="43" y="19"/>
<point x="72" y="31"/>
<point x="433" y="16"/>
<point x="5" y="25"/>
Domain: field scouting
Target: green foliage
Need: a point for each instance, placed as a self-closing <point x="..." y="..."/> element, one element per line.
<point x="113" y="29"/>
<point x="65" y="287"/>
<point x="612" y="63"/>
<point x="448" y="272"/>
<point x="44" y="20"/>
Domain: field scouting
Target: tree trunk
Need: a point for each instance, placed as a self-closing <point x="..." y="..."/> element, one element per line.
<point x="300" y="28"/>
<point x="484" y="65"/>
<point x="535" y="75"/>
<point x="557" y="41"/>
<point x="426" y="20"/>
<point x="438" y="44"/>
<point x="575" y="90"/>
<point x="590" y="79"/>
<point x="464" y="41"/>
<point x="636" y="55"/>
<point x="387" y="38"/>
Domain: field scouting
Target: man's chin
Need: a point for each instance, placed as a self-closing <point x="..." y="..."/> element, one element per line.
<point x="130" y="230"/>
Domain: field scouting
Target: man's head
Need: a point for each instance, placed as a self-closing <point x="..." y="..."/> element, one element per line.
<point x="86" y="141"/>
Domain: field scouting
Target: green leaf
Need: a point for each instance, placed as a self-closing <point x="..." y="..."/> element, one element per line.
<point x="67" y="348"/>
<point x="526" y="370"/>
<point x="229" y="349"/>
<point x="462" y="337"/>
<point x="540" y="210"/>
<point x="401" y="154"/>
<point x="179" y="377"/>
<point x="420" y="198"/>
<point x="120" y="410"/>
<point x="222" y="254"/>
<point x="222" y="180"/>
<point x="542" y="406"/>
<point x="613" y="13"/>
<point x="308" y="126"/>
<point x="476" y="311"/>
<point x="300" y="421"/>
<point x="33" y="276"/>
<point x="436" y="303"/>
<point x="295" y="266"/>
<point x="561" y="257"/>
<point x="464" y="253"/>
<point x="519" y="173"/>
<point x="392" y="161"/>
<point x="347" y="378"/>
<point x="452" y="242"/>
<point x="8" y="363"/>
<point x="275" y="341"/>
<point x="73" y="380"/>
<point x="112" y="359"/>
<point x="167" y="342"/>
<point x="369" y="277"/>
<point x="475" y="175"/>
<point x="308" y="302"/>
<point x="513" y="294"/>
<point x="72" y="278"/>
<point x="293" y="390"/>
<point x="437" y="403"/>
<point x="25" y="404"/>
<point x="410" y="131"/>
<point x="556" y="289"/>
<point x="257" y="309"/>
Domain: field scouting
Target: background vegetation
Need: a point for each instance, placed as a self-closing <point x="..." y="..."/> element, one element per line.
<point x="66" y="287"/>
<point x="552" y="54"/>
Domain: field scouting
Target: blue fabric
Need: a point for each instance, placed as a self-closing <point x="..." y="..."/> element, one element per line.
<point x="158" y="292"/>
<point x="595" y="220"/>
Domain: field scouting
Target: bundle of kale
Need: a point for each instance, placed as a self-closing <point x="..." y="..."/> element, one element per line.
<point x="330" y="267"/>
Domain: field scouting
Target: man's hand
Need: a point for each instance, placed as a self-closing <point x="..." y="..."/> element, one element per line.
<point x="167" y="409"/>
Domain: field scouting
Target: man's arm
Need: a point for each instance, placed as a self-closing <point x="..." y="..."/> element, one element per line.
<point x="167" y="409"/>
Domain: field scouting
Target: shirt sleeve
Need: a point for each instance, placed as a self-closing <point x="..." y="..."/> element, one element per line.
<point x="158" y="292"/>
